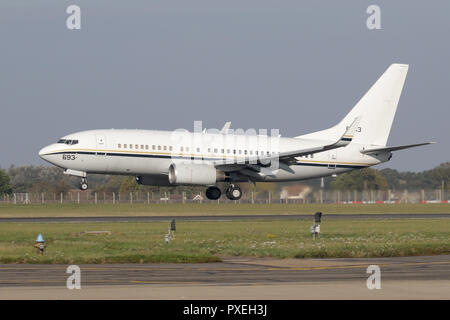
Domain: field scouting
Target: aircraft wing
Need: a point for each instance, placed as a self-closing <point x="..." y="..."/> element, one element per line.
<point x="284" y="158"/>
<point x="344" y="140"/>
<point x="389" y="149"/>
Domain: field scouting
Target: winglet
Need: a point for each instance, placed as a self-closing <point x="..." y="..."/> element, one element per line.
<point x="347" y="137"/>
<point x="225" y="127"/>
<point x="350" y="132"/>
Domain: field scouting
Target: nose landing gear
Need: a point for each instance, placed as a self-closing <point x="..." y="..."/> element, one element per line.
<point x="83" y="184"/>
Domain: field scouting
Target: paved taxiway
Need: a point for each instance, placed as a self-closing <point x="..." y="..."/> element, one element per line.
<point x="402" y="277"/>
<point x="228" y="217"/>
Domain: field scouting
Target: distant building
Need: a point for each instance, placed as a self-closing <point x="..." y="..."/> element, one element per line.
<point x="198" y="198"/>
<point x="295" y="192"/>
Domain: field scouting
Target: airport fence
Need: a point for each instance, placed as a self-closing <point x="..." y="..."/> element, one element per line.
<point x="319" y="196"/>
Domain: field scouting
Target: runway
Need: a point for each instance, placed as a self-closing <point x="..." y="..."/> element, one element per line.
<point x="226" y="217"/>
<point x="404" y="277"/>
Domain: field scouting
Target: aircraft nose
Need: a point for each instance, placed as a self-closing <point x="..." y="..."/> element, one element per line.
<point x="44" y="151"/>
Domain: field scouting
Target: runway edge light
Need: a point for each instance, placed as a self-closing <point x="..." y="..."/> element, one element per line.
<point x="40" y="245"/>
<point x="315" y="228"/>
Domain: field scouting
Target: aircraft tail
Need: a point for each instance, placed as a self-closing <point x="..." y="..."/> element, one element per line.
<point x="376" y="109"/>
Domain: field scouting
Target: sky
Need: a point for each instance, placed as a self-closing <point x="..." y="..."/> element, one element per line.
<point x="296" y="66"/>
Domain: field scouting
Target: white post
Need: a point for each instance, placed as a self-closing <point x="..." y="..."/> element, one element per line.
<point x="148" y="197"/>
<point x="15" y="199"/>
<point x="42" y="195"/>
<point x="61" y="197"/>
<point x="95" y="197"/>
<point x="114" y="198"/>
<point x="131" y="197"/>
<point x="78" y="197"/>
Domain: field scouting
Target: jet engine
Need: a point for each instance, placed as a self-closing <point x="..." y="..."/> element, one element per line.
<point x="194" y="174"/>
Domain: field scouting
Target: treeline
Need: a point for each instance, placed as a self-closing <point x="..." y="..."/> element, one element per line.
<point x="38" y="179"/>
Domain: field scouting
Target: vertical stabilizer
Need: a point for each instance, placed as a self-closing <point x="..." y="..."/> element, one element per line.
<point x="376" y="108"/>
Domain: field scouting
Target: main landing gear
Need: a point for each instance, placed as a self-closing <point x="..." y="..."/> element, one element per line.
<point x="233" y="192"/>
<point x="83" y="184"/>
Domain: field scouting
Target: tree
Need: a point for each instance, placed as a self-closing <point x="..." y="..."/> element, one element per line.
<point x="364" y="179"/>
<point x="441" y="174"/>
<point x="5" y="187"/>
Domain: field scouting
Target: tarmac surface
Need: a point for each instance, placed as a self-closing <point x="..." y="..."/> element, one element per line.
<point x="228" y="217"/>
<point x="423" y="277"/>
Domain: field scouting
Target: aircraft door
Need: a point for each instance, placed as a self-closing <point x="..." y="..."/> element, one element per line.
<point x="101" y="144"/>
<point x="332" y="159"/>
<point x="102" y="162"/>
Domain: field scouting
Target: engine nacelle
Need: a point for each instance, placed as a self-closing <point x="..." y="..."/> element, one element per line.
<point x="194" y="174"/>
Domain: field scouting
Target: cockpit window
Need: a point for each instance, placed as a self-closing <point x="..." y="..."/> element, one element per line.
<point x="66" y="141"/>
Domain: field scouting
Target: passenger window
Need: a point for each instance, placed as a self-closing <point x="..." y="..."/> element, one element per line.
<point x="181" y="149"/>
<point x="125" y="145"/>
<point x="119" y="146"/>
<point x="240" y="151"/>
<point x="159" y="147"/>
<point x="245" y="151"/>
<point x="153" y="147"/>
<point x="146" y="147"/>
<point x="198" y="149"/>
<point x="234" y="151"/>
<point x="142" y="147"/>
<point x="136" y="146"/>
<point x="209" y="150"/>
<point x="170" y="148"/>
<point x="215" y="150"/>
<point x="165" y="148"/>
<point x="187" y="149"/>
<point x="131" y="146"/>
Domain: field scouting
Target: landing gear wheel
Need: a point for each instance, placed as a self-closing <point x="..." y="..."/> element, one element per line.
<point x="233" y="192"/>
<point x="83" y="185"/>
<point x="213" y="193"/>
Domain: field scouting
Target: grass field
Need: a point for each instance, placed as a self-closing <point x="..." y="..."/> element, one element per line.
<point x="68" y="210"/>
<point x="212" y="241"/>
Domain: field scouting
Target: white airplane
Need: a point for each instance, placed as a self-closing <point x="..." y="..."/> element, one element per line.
<point x="169" y="158"/>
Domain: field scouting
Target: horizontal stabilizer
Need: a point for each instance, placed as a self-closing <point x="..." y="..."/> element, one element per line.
<point x="389" y="149"/>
